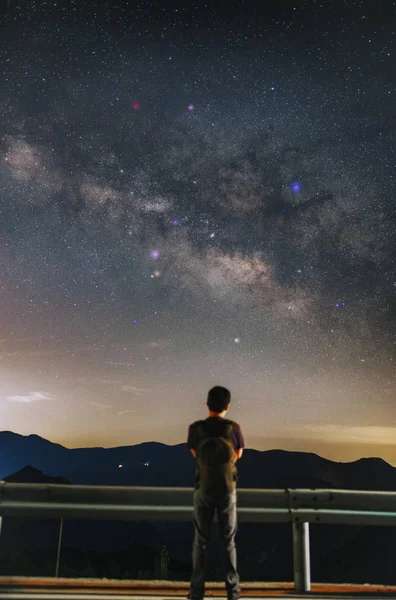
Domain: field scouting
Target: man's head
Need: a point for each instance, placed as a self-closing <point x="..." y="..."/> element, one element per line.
<point x="219" y="399"/>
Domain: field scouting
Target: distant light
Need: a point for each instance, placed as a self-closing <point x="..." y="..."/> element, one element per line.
<point x="136" y="105"/>
<point x="211" y="236"/>
<point x="154" y="254"/>
<point x="190" y="107"/>
<point x="120" y="466"/>
<point x="296" y="187"/>
<point x="237" y="340"/>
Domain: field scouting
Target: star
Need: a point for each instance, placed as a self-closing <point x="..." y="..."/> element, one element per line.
<point x="296" y="187"/>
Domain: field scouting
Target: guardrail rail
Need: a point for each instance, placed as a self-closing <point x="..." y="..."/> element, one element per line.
<point x="298" y="506"/>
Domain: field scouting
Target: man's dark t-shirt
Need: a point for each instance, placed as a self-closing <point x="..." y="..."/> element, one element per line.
<point x="215" y="426"/>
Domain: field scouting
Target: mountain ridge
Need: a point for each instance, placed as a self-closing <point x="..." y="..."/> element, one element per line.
<point x="180" y="444"/>
<point x="156" y="463"/>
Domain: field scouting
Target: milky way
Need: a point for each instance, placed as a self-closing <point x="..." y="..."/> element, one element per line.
<point x="189" y="198"/>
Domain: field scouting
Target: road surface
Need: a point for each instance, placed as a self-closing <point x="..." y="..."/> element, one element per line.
<point x="48" y="588"/>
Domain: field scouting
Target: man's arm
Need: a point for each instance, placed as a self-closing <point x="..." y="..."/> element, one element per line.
<point x="192" y="439"/>
<point x="240" y="442"/>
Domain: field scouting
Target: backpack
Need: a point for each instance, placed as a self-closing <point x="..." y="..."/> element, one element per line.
<point x="216" y="460"/>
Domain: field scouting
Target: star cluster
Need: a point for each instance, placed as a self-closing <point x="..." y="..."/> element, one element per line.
<point x="190" y="197"/>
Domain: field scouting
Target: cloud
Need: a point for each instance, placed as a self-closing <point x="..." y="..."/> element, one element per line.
<point x="30" y="398"/>
<point x="159" y="344"/>
<point x="155" y="205"/>
<point x="360" y="434"/>
<point x="99" y="194"/>
<point x="32" y="163"/>
<point x="334" y="232"/>
<point x="114" y="383"/>
<point x="240" y="188"/>
<point x="134" y="389"/>
<point x="237" y="276"/>
<point x="101" y="407"/>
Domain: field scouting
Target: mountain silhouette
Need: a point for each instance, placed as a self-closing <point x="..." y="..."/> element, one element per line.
<point x="30" y="474"/>
<point x="157" y="464"/>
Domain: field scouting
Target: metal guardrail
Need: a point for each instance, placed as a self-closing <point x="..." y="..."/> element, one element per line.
<point x="298" y="506"/>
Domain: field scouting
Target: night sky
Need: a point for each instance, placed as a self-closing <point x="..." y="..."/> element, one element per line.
<point x="198" y="194"/>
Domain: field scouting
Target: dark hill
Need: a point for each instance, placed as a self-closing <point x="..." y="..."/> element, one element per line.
<point x="31" y="475"/>
<point x="158" y="464"/>
<point x="24" y="532"/>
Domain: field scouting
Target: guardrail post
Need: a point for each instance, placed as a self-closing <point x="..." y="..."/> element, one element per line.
<point x="301" y="559"/>
<point x="59" y="548"/>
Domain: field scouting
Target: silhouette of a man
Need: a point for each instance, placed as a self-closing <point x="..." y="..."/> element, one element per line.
<point x="217" y="443"/>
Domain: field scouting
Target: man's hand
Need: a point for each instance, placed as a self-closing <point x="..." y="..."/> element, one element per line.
<point x="238" y="454"/>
